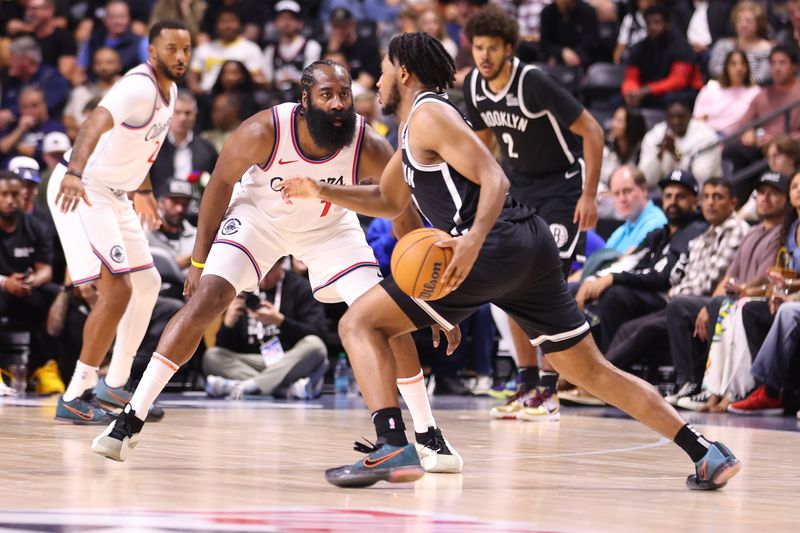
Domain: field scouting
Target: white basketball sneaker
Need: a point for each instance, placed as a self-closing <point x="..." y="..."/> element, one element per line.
<point x="436" y="454"/>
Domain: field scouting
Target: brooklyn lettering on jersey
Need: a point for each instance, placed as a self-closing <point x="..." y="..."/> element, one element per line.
<point x="504" y="119"/>
<point x="330" y="181"/>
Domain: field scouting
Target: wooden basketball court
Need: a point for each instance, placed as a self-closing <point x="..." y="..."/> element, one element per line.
<point x="257" y="466"/>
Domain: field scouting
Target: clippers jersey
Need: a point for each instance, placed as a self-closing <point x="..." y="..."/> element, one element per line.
<point x="124" y="154"/>
<point x="261" y="183"/>
<point x="448" y="200"/>
<point x="530" y="117"/>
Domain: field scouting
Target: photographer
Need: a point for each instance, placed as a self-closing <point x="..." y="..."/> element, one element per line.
<point x="270" y="342"/>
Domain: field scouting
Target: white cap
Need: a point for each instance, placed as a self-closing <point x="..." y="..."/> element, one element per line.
<point x="288" y="5"/>
<point x="56" y="141"/>
<point x="25" y="167"/>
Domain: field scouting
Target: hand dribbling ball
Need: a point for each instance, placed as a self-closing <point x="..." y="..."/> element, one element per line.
<point x="418" y="264"/>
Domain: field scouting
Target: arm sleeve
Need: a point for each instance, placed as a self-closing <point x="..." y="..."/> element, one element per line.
<point x="83" y="56"/>
<point x="131" y="100"/>
<point x="469" y="105"/>
<point x="541" y="91"/>
<point x="632" y="81"/>
<point x="656" y="278"/>
<point x="679" y="78"/>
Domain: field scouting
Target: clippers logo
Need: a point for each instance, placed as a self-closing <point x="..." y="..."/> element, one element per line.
<point x="156" y="130"/>
<point x="231" y="226"/>
<point x="117" y="254"/>
<point x="430" y="286"/>
<point x="274" y="183"/>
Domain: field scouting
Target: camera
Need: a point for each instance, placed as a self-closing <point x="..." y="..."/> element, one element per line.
<point x="252" y="301"/>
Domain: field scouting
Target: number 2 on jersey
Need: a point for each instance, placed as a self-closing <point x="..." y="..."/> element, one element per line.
<point x="509" y="140"/>
<point x="152" y="157"/>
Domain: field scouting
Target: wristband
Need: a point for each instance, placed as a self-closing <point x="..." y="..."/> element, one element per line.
<point x="197" y="264"/>
<point x="74" y="173"/>
<point x="144" y="191"/>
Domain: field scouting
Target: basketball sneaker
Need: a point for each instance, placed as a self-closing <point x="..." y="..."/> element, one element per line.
<point x="758" y="403"/>
<point x="510" y="410"/>
<point x="698" y="402"/>
<point x="117" y="397"/>
<point x="48" y="379"/>
<point x="85" y="409"/>
<point x="219" y="387"/>
<point x="384" y="462"/>
<point x="436" y="454"/>
<point x="120" y="437"/>
<point x="540" y="405"/>
<point x="714" y="470"/>
<point x="687" y="390"/>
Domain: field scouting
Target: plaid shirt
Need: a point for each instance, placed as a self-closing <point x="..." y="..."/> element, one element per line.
<point x="527" y="13"/>
<point x="710" y="255"/>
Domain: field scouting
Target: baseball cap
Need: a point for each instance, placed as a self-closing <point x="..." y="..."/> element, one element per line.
<point x="684" y="177"/>
<point x="287" y="5"/>
<point x="341" y="15"/>
<point x="26" y="168"/>
<point x="56" y="141"/>
<point x="178" y="189"/>
<point x="778" y="180"/>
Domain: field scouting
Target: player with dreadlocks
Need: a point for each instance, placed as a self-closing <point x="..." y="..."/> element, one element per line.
<point x="502" y="253"/>
<point x="236" y="245"/>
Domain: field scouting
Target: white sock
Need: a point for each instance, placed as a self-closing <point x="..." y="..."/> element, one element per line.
<point x="83" y="379"/>
<point x="156" y="376"/>
<point x="416" y="397"/>
<point x="132" y="326"/>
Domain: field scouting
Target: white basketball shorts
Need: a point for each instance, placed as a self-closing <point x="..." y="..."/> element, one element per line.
<point x="108" y="232"/>
<point x="341" y="265"/>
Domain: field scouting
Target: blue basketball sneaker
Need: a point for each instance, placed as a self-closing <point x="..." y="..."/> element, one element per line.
<point x="84" y="409"/>
<point x="119" y="396"/>
<point x="384" y="462"/>
<point x="714" y="470"/>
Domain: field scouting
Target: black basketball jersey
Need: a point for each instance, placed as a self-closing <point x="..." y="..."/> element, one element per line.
<point x="530" y="117"/>
<point x="288" y="68"/>
<point x="447" y="199"/>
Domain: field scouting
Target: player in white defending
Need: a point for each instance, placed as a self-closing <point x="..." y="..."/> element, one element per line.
<point x="321" y="137"/>
<point x="101" y="229"/>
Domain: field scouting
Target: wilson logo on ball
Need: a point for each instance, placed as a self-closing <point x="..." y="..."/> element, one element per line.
<point x="418" y="264"/>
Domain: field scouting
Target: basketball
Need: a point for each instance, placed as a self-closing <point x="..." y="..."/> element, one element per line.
<point x="418" y="264"/>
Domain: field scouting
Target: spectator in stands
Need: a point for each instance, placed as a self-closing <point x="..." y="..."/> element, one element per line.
<point x="207" y="59"/>
<point x="106" y="70"/>
<point x="27" y="169"/>
<point x="750" y="23"/>
<point x="56" y="43"/>
<point x="361" y="52"/>
<point x="676" y="144"/>
<point x="251" y="12"/>
<point x="25" y="68"/>
<point x="785" y="89"/>
<point x="94" y="17"/>
<point x="235" y="79"/>
<point x="632" y="29"/>
<point x="790" y="37"/>
<point x="623" y="144"/>
<point x="722" y="104"/>
<point x="172" y="243"/>
<point x="285" y="60"/>
<point x="663" y="255"/>
<point x="27" y="136"/>
<point x="270" y="342"/>
<point x="26" y="257"/>
<point x="366" y="105"/>
<point x="702" y="23"/>
<point x="569" y="33"/>
<point x="114" y="33"/>
<point x="191" y="13"/>
<point x="662" y="67"/>
<point x="55" y="144"/>
<point x="783" y="156"/>
<point x="528" y="14"/>
<point x="691" y="319"/>
<point x="224" y="119"/>
<point x="430" y="22"/>
<point x="184" y="156"/>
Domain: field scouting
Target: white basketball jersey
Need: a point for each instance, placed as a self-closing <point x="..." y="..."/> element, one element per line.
<point x="261" y="184"/>
<point x="124" y="154"/>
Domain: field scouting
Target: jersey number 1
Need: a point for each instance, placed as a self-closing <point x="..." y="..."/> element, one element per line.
<point x="152" y="157"/>
<point x="509" y="140"/>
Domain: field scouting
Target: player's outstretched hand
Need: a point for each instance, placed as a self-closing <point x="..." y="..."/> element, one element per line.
<point x="453" y="337"/>
<point x="465" y="252"/>
<point x="71" y="193"/>
<point x="585" y="213"/>
<point x="146" y="207"/>
<point x="192" y="281"/>
<point x="299" y="188"/>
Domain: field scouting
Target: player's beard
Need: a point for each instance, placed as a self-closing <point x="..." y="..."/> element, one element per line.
<point x="494" y="75"/>
<point x="389" y="107"/>
<point x="325" y="133"/>
<point x="164" y="70"/>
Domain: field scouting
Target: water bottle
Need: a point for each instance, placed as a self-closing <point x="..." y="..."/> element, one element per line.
<point x="19" y="373"/>
<point x="341" y="376"/>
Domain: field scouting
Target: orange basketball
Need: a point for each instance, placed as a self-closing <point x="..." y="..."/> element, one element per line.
<point x="418" y="264"/>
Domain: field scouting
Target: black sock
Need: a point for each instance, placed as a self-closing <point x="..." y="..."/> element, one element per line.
<point x="549" y="380"/>
<point x="692" y="442"/>
<point x="772" y="393"/>
<point x="529" y="378"/>
<point x="389" y="426"/>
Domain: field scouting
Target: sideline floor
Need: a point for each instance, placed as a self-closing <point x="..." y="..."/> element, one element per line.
<point x="257" y="466"/>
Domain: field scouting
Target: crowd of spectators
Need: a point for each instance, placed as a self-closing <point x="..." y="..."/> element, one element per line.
<point x="697" y="197"/>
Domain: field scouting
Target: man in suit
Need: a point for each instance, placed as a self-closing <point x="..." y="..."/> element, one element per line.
<point x="184" y="156"/>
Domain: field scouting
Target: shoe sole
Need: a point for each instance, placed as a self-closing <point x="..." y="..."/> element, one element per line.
<point x="394" y="475"/>
<point x="578" y="400"/>
<point x="555" y="417"/>
<point x="112" y="448"/>
<point x="434" y="463"/>
<point x="756" y="412"/>
<point x="732" y="467"/>
<point x="81" y="422"/>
